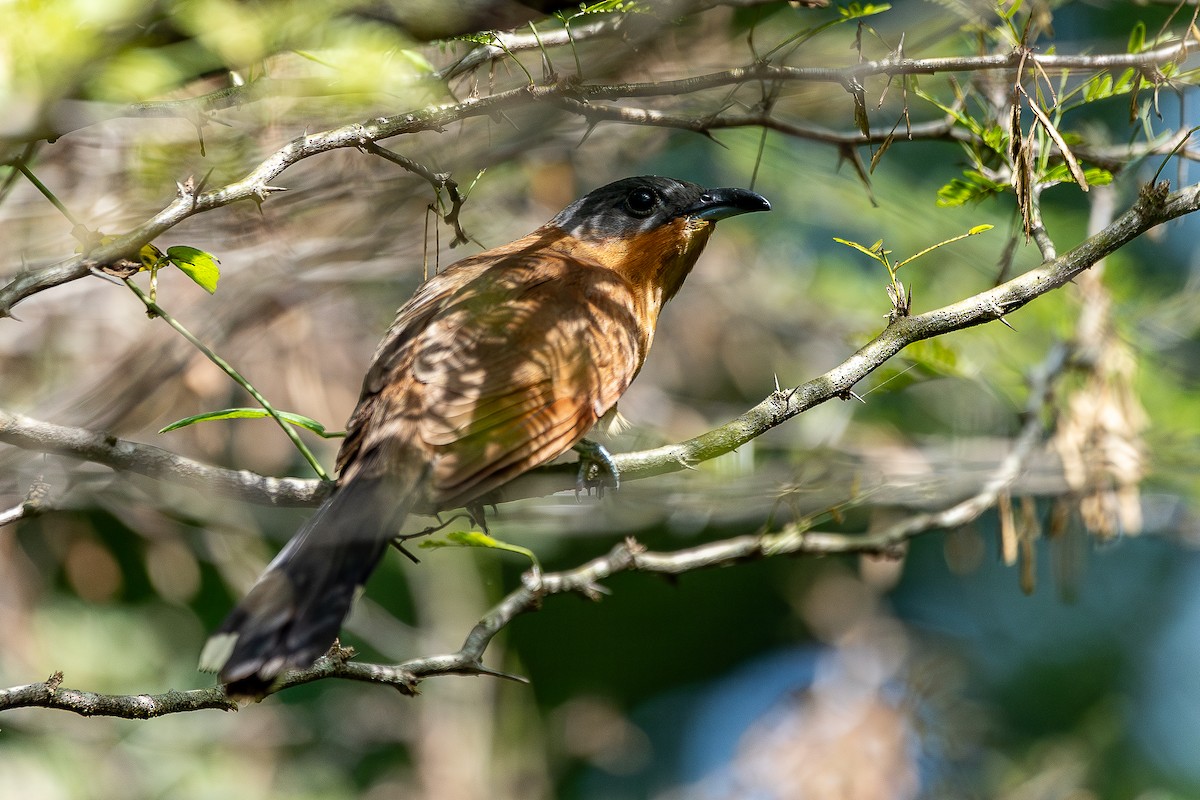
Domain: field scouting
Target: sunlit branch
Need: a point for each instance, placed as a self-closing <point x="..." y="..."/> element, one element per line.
<point x="155" y="462"/>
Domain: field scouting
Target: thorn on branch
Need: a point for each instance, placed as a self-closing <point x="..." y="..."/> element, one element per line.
<point x="473" y="667"/>
<point x="594" y="591"/>
<point x="993" y="307"/>
<point x="686" y="462"/>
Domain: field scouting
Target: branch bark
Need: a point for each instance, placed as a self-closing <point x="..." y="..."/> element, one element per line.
<point x="155" y="462"/>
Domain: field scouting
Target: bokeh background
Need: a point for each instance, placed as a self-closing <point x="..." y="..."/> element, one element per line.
<point x="946" y="673"/>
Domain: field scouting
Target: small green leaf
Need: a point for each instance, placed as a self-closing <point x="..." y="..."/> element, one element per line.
<point x="477" y="38"/>
<point x="1060" y="173"/>
<point x="859" y="10"/>
<point x="1097" y="176"/>
<point x="959" y="192"/>
<point x="150" y="256"/>
<point x="1098" y="87"/>
<point x="980" y="229"/>
<point x="479" y="539"/>
<point x="197" y="265"/>
<point x="1125" y="82"/>
<point x="976" y="187"/>
<point x="996" y="139"/>
<point x="967" y="122"/>
<point x="1137" y="38"/>
<point x="872" y="251"/>
<point x="298" y="420"/>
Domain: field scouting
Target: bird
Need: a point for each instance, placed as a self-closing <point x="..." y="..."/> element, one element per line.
<point x="499" y="363"/>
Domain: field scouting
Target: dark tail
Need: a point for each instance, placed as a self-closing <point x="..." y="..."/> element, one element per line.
<point x="293" y="613"/>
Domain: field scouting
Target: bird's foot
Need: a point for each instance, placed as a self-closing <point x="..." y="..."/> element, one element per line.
<point x="594" y="461"/>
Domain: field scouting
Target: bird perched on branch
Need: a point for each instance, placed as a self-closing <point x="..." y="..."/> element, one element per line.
<point x="500" y="363"/>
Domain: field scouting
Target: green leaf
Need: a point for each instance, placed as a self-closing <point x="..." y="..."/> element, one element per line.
<point x="859" y="10"/>
<point x="1137" y="38"/>
<point x="298" y="420"/>
<point x="604" y="6"/>
<point x="959" y="192"/>
<point x="996" y="139"/>
<point x="1061" y="173"/>
<point x="197" y="265"/>
<point x="479" y="539"/>
<point x="150" y="256"/>
<point x="872" y="251"/>
<point x="477" y="38"/>
<point x="1125" y="82"/>
<point x="968" y="123"/>
<point x="976" y="187"/>
<point x="1011" y="11"/>
<point x="1098" y="87"/>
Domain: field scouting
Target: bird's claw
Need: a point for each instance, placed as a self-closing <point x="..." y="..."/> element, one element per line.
<point x="593" y="455"/>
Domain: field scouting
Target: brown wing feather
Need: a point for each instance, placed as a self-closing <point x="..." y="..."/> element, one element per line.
<point x="495" y="369"/>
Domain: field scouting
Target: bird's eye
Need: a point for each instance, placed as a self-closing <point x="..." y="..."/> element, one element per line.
<point x="641" y="202"/>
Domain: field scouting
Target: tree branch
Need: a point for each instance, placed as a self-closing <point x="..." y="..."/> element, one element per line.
<point x="629" y="556"/>
<point x="50" y="694"/>
<point x="155" y="462"/>
<point x="1153" y="208"/>
<point x="256" y="185"/>
<point x="625" y="557"/>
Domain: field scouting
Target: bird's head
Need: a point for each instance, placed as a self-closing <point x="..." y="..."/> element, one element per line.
<point x="652" y="229"/>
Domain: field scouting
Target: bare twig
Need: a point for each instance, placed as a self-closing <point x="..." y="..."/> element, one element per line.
<point x="438" y="180"/>
<point x="51" y="694"/>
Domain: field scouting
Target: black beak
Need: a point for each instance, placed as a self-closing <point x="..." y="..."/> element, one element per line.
<point x="717" y="204"/>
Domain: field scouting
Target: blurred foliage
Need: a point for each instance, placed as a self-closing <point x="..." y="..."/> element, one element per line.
<point x="728" y="683"/>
